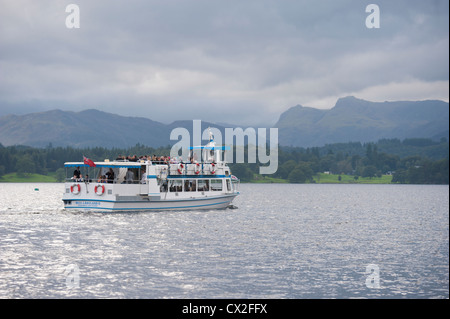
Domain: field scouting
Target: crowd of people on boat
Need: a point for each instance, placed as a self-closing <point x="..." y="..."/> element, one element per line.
<point x="106" y="178"/>
<point x="109" y="176"/>
<point x="78" y="177"/>
<point x="155" y="159"/>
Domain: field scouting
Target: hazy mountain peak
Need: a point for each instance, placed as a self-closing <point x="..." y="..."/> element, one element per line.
<point x="354" y="119"/>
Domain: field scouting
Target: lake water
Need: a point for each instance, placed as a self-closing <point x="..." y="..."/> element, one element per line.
<point x="283" y="241"/>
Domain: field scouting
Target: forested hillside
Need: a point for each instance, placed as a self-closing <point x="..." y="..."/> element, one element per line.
<point x="419" y="161"/>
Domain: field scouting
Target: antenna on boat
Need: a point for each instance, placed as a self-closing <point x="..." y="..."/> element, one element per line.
<point x="211" y="135"/>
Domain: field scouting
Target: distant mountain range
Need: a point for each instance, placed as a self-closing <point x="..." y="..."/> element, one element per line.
<point x="87" y="128"/>
<point x="351" y="119"/>
<point x="356" y="120"/>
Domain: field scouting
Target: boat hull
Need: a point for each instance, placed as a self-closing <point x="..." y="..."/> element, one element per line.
<point x="219" y="202"/>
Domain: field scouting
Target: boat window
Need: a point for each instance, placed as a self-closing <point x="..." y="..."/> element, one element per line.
<point x="176" y="185"/>
<point x="216" y="184"/>
<point x="203" y="185"/>
<point x="228" y="185"/>
<point x="190" y="185"/>
<point x="235" y="184"/>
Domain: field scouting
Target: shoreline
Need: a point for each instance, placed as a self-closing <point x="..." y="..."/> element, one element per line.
<point x="328" y="179"/>
<point x="317" y="179"/>
<point x="323" y="178"/>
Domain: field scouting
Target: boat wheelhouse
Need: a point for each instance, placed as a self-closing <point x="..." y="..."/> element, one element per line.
<point x="146" y="185"/>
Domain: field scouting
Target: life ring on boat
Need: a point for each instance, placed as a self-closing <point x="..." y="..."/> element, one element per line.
<point x="197" y="168"/>
<point x="213" y="168"/>
<point x="75" y="189"/>
<point x="180" y="168"/>
<point x="99" y="189"/>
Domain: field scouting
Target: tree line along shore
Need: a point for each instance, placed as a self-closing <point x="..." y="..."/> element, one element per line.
<point x="411" y="161"/>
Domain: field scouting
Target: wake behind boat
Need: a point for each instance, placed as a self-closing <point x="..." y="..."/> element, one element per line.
<point x="123" y="185"/>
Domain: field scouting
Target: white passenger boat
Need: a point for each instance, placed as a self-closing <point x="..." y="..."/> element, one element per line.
<point x="146" y="185"/>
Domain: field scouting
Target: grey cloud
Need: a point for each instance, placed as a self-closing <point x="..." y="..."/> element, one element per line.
<point x="229" y="61"/>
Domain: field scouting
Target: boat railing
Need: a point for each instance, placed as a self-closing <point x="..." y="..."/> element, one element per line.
<point x="103" y="181"/>
<point x="162" y="171"/>
<point x="169" y="162"/>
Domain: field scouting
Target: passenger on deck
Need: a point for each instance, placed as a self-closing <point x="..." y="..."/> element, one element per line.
<point x="144" y="175"/>
<point x="110" y="176"/>
<point x="144" y="178"/>
<point x="77" y="174"/>
<point x="101" y="179"/>
<point x="129" y="177"/>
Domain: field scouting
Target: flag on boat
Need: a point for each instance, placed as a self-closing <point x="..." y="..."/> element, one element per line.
<point x="88" y="161"/>
<point x="234" y="178"/>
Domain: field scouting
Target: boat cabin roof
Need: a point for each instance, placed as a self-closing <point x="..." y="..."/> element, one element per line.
<point x="221" y="148"/>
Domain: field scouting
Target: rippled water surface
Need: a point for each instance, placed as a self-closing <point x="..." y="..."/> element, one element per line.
<point x="283" y="241"/>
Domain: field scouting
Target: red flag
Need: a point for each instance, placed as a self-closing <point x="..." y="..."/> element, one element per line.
<point x="89" y="162"/>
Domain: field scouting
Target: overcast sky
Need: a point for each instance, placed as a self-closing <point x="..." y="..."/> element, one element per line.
<point x="235" y="61"/>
